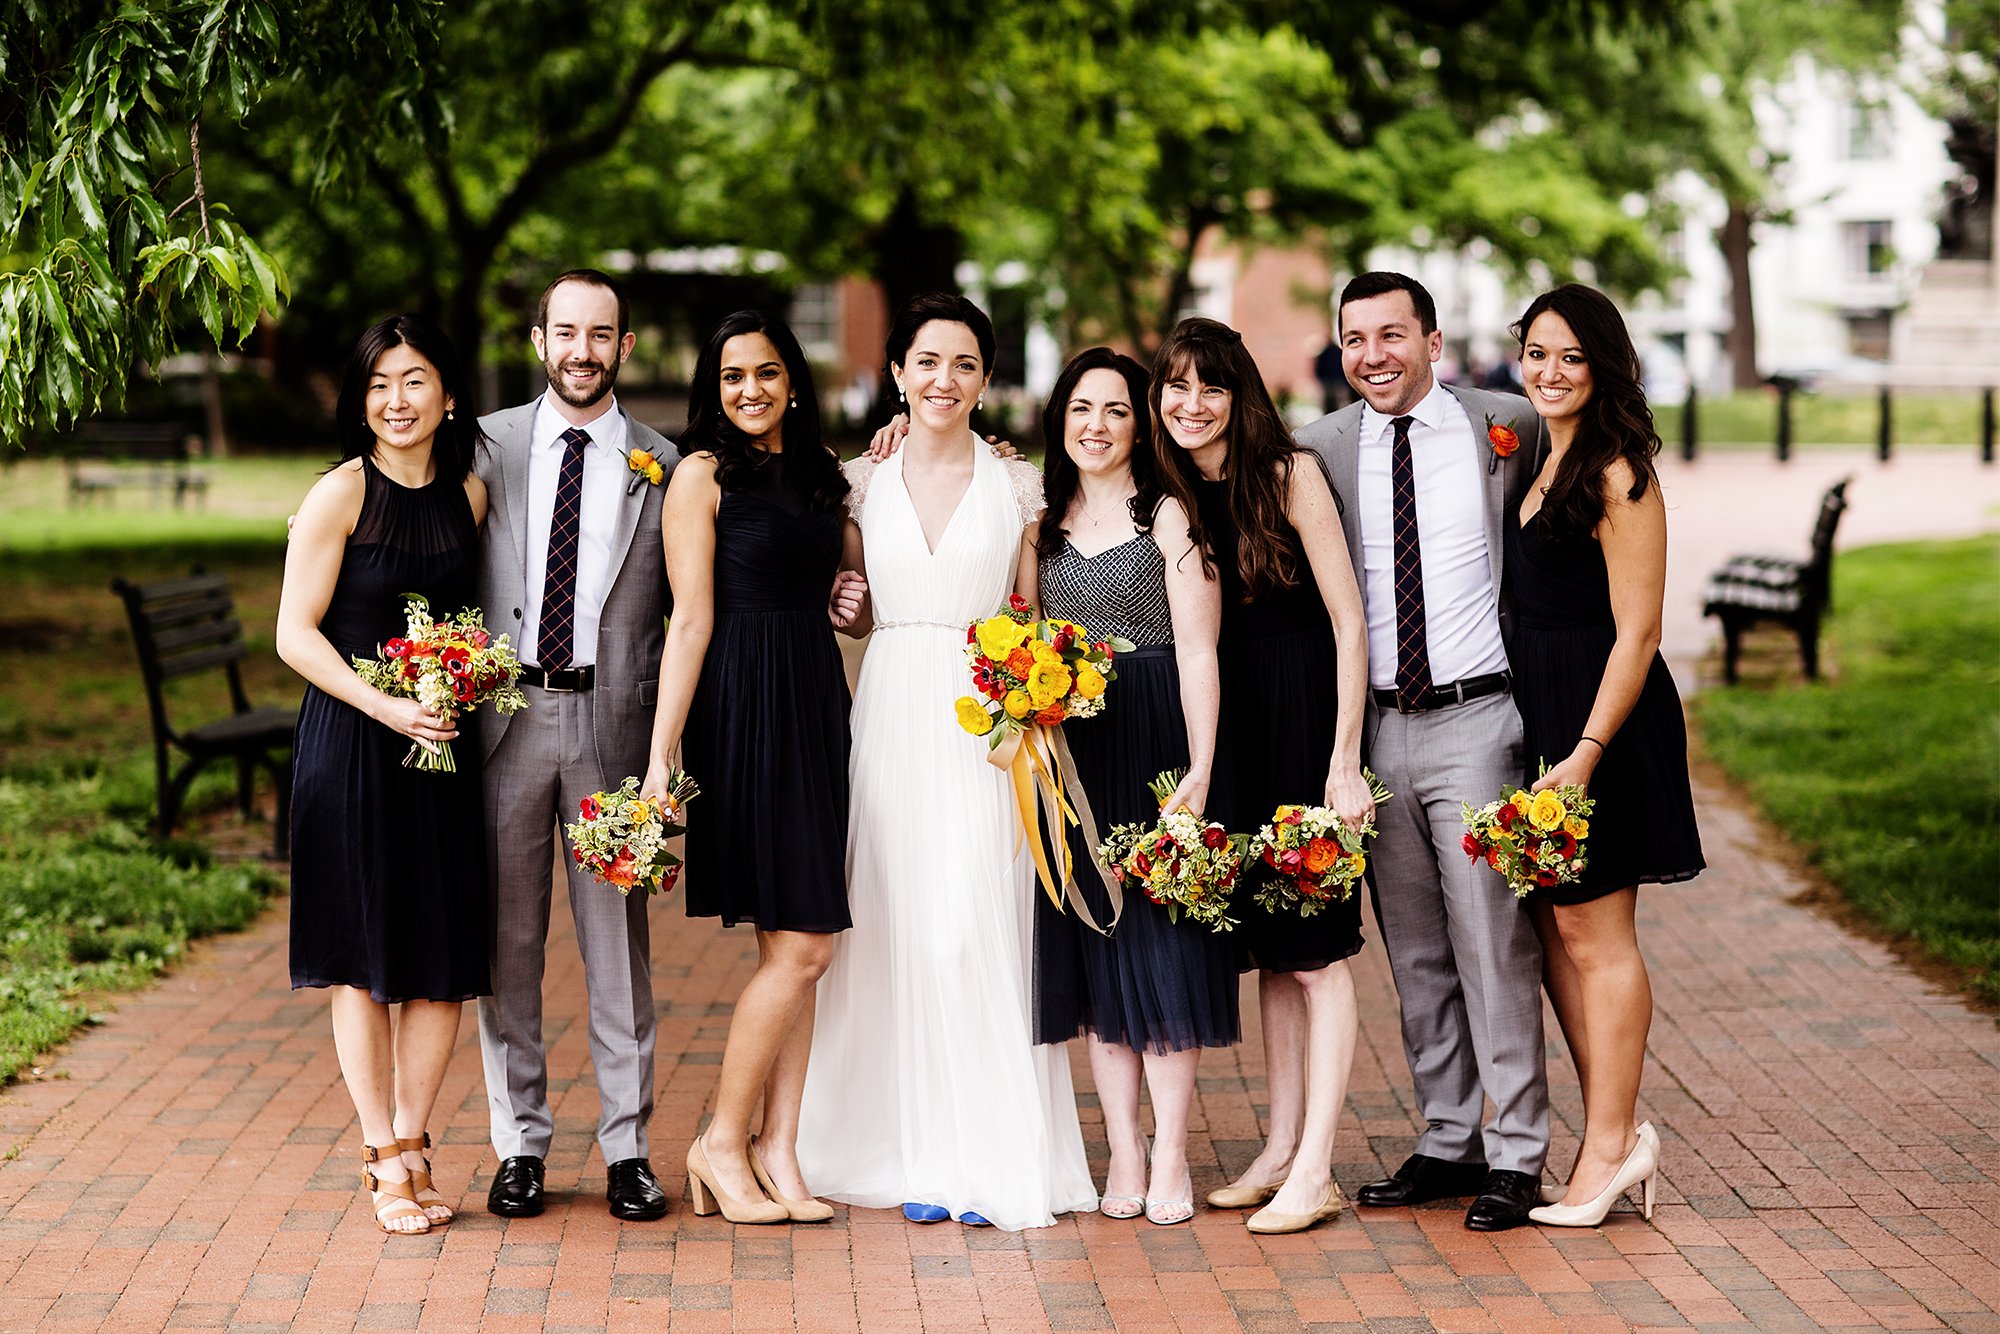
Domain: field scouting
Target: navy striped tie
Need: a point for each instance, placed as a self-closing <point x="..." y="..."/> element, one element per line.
<point x="555" y="634"/>
<point x="1413" y="653"/>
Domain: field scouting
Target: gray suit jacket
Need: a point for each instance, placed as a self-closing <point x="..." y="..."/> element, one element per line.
<point x="1336" y="439"/>
<point x="632" y="628"/>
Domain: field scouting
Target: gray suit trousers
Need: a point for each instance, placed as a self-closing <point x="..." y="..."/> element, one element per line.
<point x="1467" y="963"/>
<point x="544" y="765"/>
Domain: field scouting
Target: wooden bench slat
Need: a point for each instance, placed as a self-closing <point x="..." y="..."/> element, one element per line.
<point x="182" y="638"/>
<point x="182" y="664"/>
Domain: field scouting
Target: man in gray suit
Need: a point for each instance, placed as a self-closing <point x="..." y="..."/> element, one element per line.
<point x="574" y="564"/>
<point x="1426" y="479"/>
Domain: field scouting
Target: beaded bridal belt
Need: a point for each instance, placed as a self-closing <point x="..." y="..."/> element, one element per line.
<point x="958" y="626"/>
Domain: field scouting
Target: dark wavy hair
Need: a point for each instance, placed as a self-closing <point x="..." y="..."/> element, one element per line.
<point x="808" y="459"/>
<point x="1615" y="424"/>
<point x="1261" y="452"/>
<point x="947" y="306"/>
<point x="1060" y="475"/>
<point x="458" y="436"/>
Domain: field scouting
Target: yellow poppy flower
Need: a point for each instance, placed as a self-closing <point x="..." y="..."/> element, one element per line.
<point x="1048" y="683"/>
<point x="972" y="716"/>
<point x="999" y="635"/>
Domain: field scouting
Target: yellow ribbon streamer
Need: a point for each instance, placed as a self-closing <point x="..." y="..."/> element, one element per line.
<point x="1040" y="782"/>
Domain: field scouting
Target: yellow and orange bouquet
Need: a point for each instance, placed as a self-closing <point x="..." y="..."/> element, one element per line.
<point x="449" y="666"/>
<point x="1317" y="856"/>
<point x="1028" y="670"/>
<point x="621" y="838"/>
<point x="1533" y="839"/>
<point x="1183" y="863"/>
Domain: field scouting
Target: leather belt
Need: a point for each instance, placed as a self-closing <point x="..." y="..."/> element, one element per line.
<point x="565" y="680"/>
<point x="1444" y="696"/>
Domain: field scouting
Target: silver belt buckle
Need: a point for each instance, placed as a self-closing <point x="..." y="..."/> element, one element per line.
<point x="555" y="689"/>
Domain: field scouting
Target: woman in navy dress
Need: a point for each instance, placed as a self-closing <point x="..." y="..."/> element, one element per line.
<point x="1587" y="555"/>
<point x="389" y="899"/>
<point x="1294" y="662"/>
<point x="1114" y="556"/>
<point x="752" y="693"/>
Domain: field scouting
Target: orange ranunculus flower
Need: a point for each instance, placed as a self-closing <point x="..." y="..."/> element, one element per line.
<point x="1020" y="662"/>
<point x="1321" y="854"/>
<point x="1050" y="716"/>
<point x="1504" y="439"/>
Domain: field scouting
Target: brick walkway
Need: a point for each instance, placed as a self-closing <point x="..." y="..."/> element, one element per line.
<point x="1831" y="1127"/>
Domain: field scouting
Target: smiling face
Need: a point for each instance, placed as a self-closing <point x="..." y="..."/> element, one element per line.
<point x="1197" y="416"/>
<point x="1553" y="368"/>
<point x="1099" y="428"/>
<point x="580" y="347"/>
<point x="942" y="375"/>
<point x="1386" y="353"/>
<point x="406" y="401"/>
<point x="756" y="387"/>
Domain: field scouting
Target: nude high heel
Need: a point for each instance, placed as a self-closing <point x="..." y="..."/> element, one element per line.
<point x="1641" y="1167"/>
<point x="1553" y="1191"/>
<point x="800" y="1211"/>
<point x="707" y="1199"/>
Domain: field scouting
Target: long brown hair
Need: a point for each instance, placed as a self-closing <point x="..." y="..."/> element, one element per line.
<point x="1258" y="461"/>
<point x="1615" y="424"/>
<point x="1060" y="475"/>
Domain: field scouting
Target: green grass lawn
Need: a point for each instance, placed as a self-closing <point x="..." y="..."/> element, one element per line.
<point x="89" y="903"/>
<point x="1749" y="419"/>
<point x="1889" y="774"/>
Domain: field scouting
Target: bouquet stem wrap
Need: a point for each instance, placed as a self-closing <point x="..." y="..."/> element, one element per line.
<point x="1043" y="771"/>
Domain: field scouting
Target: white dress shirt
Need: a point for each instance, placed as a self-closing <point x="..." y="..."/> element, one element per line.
<point x="1461" y="606"/>
<point x="605" y="474"/>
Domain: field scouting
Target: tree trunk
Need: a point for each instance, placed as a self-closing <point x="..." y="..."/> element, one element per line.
<point x="1742" y="338"/>
<point x="910" y="257"/>
<point x="465" y="315"/>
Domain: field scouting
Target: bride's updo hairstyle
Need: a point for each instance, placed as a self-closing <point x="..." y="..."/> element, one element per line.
<point x="1615" y="424"/>
<point x="952" y="309"/>
<point x="1257" y="467"/>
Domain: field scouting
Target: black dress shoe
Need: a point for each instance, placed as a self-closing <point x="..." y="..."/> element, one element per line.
<point x="1505" y="1202"/>
<point x="1422" y="1179"/>
<point x="517" y="1188"/>
<point x="634" y="1191"/>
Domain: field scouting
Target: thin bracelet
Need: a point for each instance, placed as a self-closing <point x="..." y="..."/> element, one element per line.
<point x="1595" y="742"/>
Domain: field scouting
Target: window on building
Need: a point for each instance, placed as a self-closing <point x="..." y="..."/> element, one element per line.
<point x="1870" y="257"/>
<point x="815" y="318"/>
<point x="1867" y="132"/>
<point x="1868" y="334"/>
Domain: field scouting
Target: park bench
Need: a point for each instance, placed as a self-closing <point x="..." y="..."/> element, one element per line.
<point x="102" y="456"/>
<point x="1795" y="593"/>
<point x="181" y="627"/>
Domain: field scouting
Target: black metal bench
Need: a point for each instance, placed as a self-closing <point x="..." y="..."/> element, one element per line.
<point x="184" y="626"/>
<point x="102" y="456"/>
<point x="1795" y="593"/>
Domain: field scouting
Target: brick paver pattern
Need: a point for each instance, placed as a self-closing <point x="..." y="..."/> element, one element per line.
<point x="1829" y="1123"/>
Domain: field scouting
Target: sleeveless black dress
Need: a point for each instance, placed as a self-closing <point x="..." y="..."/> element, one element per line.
<point x="766" y="735"/>
<point x="1155" y="985"/>
<point x="1275" y="737"/>
<point x="1643" y="830"/>
<point x="389" y="885"/>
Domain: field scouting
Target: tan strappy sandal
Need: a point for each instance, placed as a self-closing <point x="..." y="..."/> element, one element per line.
<point x="425" y="1191"/>
<point x="395" y="1202"/>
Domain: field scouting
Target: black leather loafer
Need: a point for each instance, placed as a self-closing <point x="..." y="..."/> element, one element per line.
<point x="634" y="1192"/>
<point x="1422" y="1179"/>
<point x="1505" y="1202"/>
<point x="517" y="1188"/>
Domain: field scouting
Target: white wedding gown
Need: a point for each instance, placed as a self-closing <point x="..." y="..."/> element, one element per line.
<point x="925" y="1083"/>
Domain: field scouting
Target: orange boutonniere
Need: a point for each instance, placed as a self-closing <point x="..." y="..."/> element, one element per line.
<point x="644" y="467"/>
<point x="1504" y="440"/>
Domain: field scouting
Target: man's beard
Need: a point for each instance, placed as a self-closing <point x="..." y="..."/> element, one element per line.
<point x="607" y="377"/>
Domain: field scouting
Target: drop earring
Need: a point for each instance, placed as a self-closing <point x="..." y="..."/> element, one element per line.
<point x="901" y="397"/>
<point x="795" y="400"/>
<point x="981" y="403"/>
<point x="447" y="414"/>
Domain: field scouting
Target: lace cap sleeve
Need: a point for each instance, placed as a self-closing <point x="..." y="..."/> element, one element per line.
<point x="1026" y="480"/>
<point x="858" y="473"/>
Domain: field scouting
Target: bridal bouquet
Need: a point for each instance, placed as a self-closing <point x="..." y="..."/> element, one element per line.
<point x="621" y="838"/>
<point x="1183" y="863"/>
<point x="450" y="667"/>
<point x="1027" y="670"/>
<point x="1533" y="839"/>
<point x="1317" y="855"/>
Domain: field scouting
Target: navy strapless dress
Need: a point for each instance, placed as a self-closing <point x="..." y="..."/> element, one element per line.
<point x="389" y="889"/>
<point x="767" y="733"/>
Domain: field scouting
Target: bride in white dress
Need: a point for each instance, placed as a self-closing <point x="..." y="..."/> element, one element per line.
<point x="925" y="1087"/>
